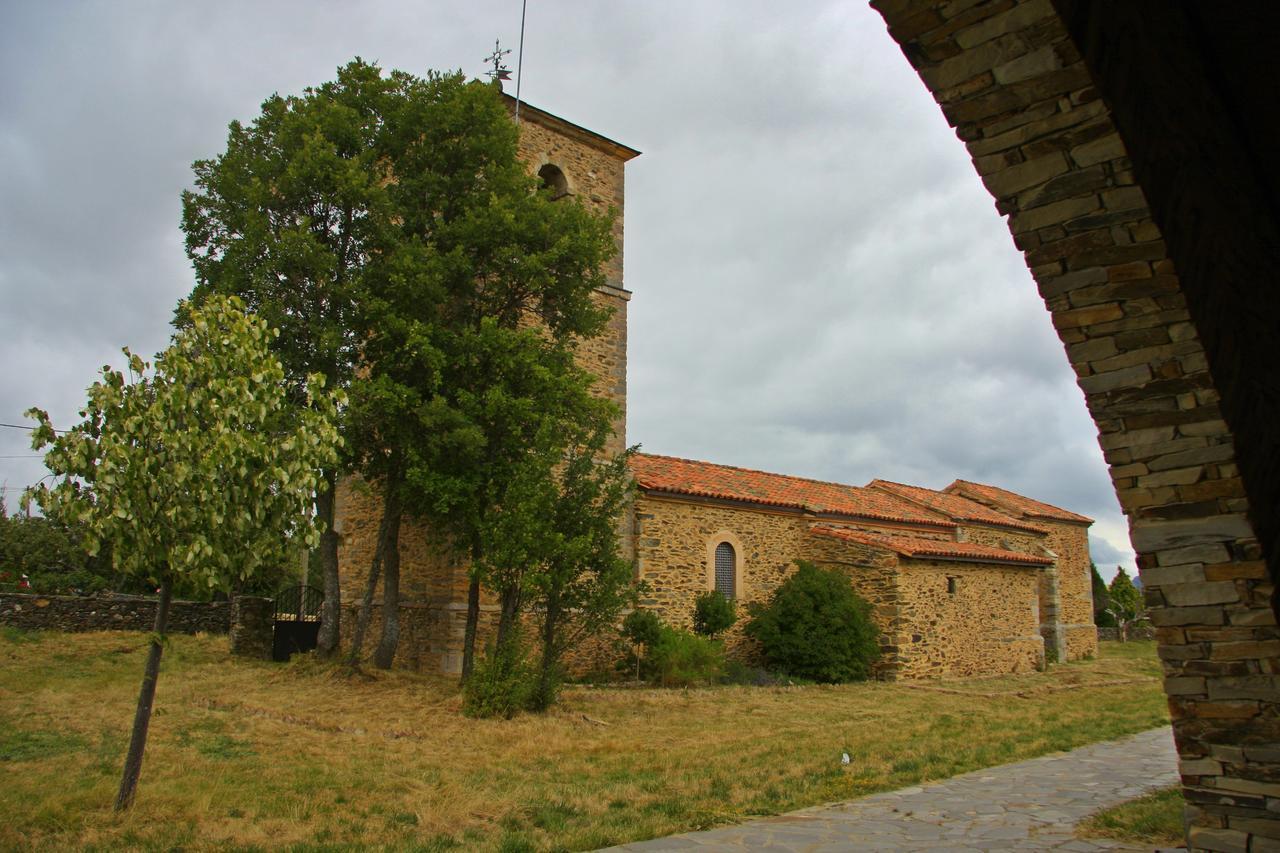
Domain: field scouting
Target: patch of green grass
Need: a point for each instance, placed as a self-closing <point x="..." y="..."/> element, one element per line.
<point x="28" y="745"/>
<point x="225" y="747"/>
<point x="515" y="842"/>
<point x="1153" y="820"/>
<point x="19" y="636"/>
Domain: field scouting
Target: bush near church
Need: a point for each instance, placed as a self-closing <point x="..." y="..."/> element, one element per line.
<point x="713" y="614"/>
<point x="670" y="657"/>
<point x="816" y="627"/>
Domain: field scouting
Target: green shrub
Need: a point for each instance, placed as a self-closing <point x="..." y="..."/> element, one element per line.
<point x="503" y="683"/>
<point x="712" y="614"/>
<point x="642" y="628"/>
<point x="682" y="659"/>
<point x="816" y="627"/>
<point x="737" y="672"/>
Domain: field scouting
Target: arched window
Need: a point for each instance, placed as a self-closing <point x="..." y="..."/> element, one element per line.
<point x="554" y="180"/>
<point x="726" y="570"/>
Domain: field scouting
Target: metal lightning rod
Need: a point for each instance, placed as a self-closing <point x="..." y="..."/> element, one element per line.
<point x="524" y="5"/>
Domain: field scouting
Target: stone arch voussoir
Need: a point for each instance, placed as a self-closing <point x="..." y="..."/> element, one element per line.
<point x="1012" y="82"/>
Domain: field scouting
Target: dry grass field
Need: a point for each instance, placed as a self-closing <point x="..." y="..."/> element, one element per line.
<point x="247" y="755"/>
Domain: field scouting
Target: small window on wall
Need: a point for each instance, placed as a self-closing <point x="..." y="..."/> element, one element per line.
<point x="726" y="569"/>
<point x="554" y="181"/>
<point x="951" y="585"/>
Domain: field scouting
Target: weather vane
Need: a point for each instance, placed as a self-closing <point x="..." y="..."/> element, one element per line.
<point x="500" y="71"/>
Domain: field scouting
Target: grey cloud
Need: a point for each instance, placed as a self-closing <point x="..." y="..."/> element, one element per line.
<point x="821" y="284"/>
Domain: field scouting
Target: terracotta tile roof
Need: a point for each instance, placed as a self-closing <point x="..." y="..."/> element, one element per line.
<point x="704" y="479"/>
<point x="909" y="546"/>
<point x="955" y="507"/>
<point x="1016" y="503"/>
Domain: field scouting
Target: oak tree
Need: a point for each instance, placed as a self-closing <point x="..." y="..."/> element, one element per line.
<point x="290" y="218"/>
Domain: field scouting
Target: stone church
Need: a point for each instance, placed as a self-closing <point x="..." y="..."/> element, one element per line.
<point x="972" y="579"/>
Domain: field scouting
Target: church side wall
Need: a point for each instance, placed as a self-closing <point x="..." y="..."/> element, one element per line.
<point x="874" y="574"/>
<point x="672" y="538"/>
<point x="1010" y="540"/>
<point x="989" y="625"/>
<point x="1075" y="587"/>
<point x="1050" y="593"/>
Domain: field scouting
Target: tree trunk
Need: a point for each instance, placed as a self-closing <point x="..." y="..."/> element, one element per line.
<point x="366" y="602"/>
<point x="469" y="635"/>
<point x="550" y="652"/>
<point x="146" y="698"/>
<point x="393" y="511"/>
<point x="510" y="600"/>
<point x="331" y="613"/>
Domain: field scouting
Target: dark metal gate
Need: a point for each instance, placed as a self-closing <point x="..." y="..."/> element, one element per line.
<point x="297" y="621"/>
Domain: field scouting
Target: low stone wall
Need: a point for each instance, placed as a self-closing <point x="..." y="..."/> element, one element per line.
<point x="110" y="613"/>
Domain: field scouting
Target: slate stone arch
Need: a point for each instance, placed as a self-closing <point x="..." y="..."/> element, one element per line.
<point x="1129" y="145"/>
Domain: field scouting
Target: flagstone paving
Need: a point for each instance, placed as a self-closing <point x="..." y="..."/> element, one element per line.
<point x="1031" y="805"/>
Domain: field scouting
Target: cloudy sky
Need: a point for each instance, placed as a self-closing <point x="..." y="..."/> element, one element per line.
<point x="821" y="285"/>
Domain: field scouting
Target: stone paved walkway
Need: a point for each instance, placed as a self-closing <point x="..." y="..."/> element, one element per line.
<point x="1031" y="805"/>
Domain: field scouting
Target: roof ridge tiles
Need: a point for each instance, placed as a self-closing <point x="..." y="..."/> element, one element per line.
<point x="981" y="513"/>
<point x="1022" y="504"/>
<point x="752" y="470"/>
<point x="773" y="489"/>
<point x="914" y="548"/>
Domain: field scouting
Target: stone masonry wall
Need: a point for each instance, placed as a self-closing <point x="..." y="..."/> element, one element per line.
<point x="110" y="613"/>
<point x="874" y="574"/>
<point x="1075" y="587"/>
<point x="999" y="537"/>
<point x="988" y="626"/>
<point x="1048" y="591"/>
<point x="596" y="177"/>
<point x="672" y="538"/>
<point x="1011" y="80"/>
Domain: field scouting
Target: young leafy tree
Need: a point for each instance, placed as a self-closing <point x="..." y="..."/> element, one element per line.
<point x="290" y="218"/>
<point x="1125" y="602"/>
<point x="553" y="546"/>
<point x="642" y="629"/>
<point x="201" y="472"/>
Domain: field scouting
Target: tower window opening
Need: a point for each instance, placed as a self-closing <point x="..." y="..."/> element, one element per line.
<point x="554" y="181"/>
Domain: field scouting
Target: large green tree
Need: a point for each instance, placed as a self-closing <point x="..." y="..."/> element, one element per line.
<point x="389" y="220"/>
<point x="201" y="472"/>
<point x="291" y="218"/>
<point x="512" y="274"/>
